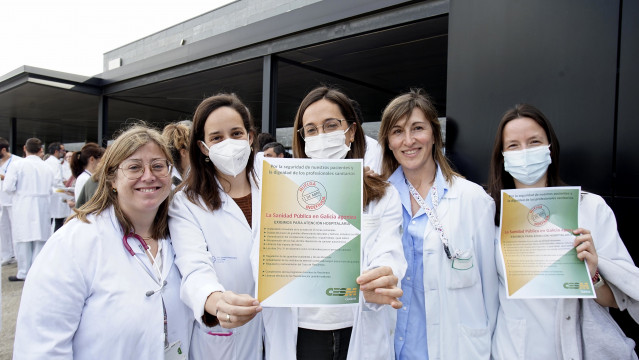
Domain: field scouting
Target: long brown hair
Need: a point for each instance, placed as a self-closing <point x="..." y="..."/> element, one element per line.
<point x="124" y="146"/>
<point x="374" y="187"/>
<point x="400" y="107"/>
<point x="201" y="182"/>
<point x="80" y="159"/>
<point x="498" y="177"/>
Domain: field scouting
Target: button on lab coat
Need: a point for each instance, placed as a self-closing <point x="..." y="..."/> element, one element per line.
<point x="213" y="254"/>
<point x="85" y="298"/>
<point x="30" y="180"/>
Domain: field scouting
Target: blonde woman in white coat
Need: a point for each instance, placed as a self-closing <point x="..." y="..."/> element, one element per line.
<point x="105" y="285"/>
<point x="450" y="287"/>
<point x="357" y="332"/>
<point x="211" y="224"/>
<point x="560" y="328"/>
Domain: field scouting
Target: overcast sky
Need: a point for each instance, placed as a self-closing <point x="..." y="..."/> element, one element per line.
<point x="72" y="35"/>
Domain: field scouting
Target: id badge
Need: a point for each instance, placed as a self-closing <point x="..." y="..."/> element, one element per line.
<point x="463" y="262"/>
<point x="174" y="352"/>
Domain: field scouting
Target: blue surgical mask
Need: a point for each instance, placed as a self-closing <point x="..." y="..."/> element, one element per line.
<point x="527" y="165"/>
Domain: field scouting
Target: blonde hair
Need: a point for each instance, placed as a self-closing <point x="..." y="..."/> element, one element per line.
<point x="122" y="148"/>
<point x="177" y="137"/>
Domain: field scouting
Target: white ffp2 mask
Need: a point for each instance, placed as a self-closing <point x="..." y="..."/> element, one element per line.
<point x="327" y="146"/>
<point x="230" y="156"/>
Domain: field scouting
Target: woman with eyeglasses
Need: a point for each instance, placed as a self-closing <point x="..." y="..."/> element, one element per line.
<point x="213" y="228"/>
<point x="327" y="127"/>
<point x="450" y="287"/>
<point x="526" y="155"/>
<point x="105" y="285"/>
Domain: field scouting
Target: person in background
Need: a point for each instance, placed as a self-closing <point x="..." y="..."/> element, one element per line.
<point x="213" y="230"/>
<point x="327" y="127"/>
<point x="7" y="255"/>
<point x="58" y="202"/>
<point x="106" y="286"/>
<point x="31" y="182"/>
<point x="83" y="165"/>
<point x="263" y="139"/>
<point x="526" y="154"/>
<point x="275" y="149"/>
<point x="450" y="288"/>
<point x="177" y="135"/>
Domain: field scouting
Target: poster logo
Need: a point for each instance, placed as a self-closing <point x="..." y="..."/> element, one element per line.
<point x="539" y="215"/>
<point x="311" y="195"/>
<point x="341" y="291"/>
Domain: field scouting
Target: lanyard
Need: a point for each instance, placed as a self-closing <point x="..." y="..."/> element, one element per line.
<point x="6" y="167"/>
<point x="432" y="215"/>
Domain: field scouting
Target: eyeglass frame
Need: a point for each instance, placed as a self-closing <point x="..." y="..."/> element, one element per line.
<point x="144" y="165"/>
<point x="301" y="129"/>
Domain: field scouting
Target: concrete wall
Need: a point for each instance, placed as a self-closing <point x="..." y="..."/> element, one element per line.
<point x="232" y="16"/>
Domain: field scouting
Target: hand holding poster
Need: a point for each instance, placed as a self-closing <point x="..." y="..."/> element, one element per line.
<point x="539" y="258"/>
<point x="310" y="232"/>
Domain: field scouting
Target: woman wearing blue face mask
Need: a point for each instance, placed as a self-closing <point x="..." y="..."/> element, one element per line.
<point x="212" y="227"/>
<point x="327" y="127"/>
<point x="526" y="154"/>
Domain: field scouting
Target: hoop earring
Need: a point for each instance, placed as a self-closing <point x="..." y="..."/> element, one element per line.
<point x="207" y="159"/>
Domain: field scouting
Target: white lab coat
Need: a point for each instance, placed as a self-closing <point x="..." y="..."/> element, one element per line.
<point x="547" y="328"/>
<point x="373" y="158"/>
<point x="461" y="305"/>
<point x="213" y="254"/>
<point x="85" y="298"/>
<point x="6" y="198"/>
<point x="58" y="205"/>
<point x="374" y="325"/>
<point x="31" y="182"/>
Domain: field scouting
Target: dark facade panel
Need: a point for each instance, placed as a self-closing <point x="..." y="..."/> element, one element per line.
<point x="627" y="170"/>
<point x="558" y="56"/>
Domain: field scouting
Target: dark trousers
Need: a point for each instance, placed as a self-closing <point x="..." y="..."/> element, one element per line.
<point x="323" y="345"/>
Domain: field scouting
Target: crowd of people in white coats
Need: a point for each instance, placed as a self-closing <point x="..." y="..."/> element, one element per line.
<point x="124" y="264"/>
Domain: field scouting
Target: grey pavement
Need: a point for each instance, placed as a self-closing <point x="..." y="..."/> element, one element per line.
<point x="11" y="292"/>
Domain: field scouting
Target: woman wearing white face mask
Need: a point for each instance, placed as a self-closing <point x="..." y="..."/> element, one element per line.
<point x="326" y="127"/>
<point x="526" y="154"/>
<point x="212" y="228"/>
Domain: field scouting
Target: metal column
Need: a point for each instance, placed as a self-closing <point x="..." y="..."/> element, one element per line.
<point x="103" y="120"/>
<point x="13" y="135"/>
<point x="269" y="94"/>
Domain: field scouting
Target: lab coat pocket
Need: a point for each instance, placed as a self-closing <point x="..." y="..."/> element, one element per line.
<point x="375" y="338"/>
<point x="474" y="343"/>
<point x="510" y="340"/>
<point x="462" y="271"/>
<point x="213" y="343"/>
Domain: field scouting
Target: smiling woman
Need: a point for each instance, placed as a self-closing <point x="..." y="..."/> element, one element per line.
<point x="89" y="284"/>
<point x="213" y="229"/>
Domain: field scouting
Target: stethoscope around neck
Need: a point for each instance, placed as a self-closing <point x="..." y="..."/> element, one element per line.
<point x="158" y="279"/>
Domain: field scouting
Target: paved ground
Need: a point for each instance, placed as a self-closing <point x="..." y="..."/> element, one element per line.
<point x="11" y="292"/>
